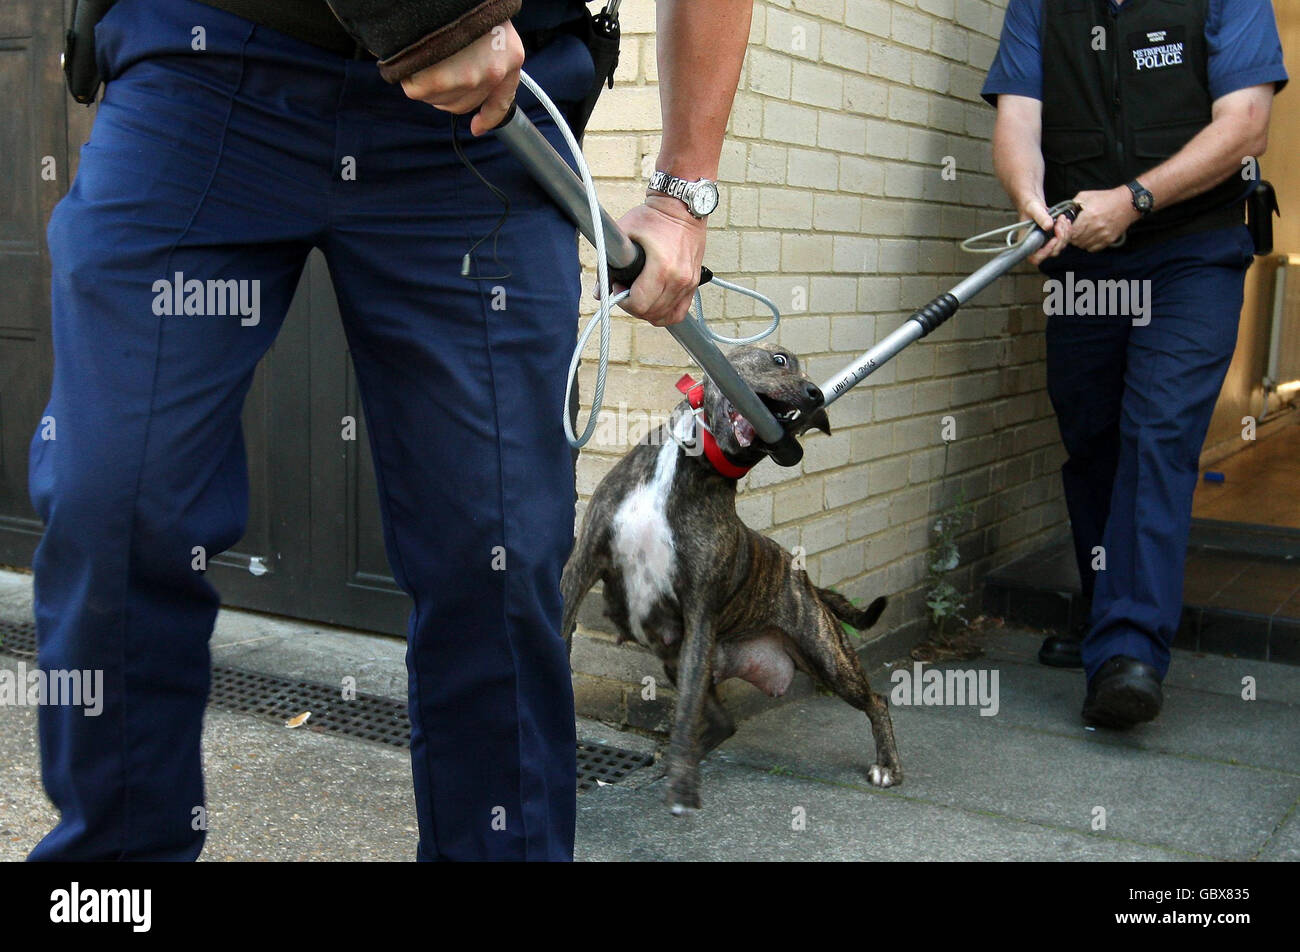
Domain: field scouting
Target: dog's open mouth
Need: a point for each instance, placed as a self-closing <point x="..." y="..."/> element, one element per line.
<point x="744" y="430"/>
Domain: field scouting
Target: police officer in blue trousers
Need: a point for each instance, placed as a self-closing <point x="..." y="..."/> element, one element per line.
<point x="216" y="156"/>
<point x="1150" y="115"/>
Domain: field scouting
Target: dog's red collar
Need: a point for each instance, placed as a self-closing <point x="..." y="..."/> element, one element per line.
<point x="695" y="396"/>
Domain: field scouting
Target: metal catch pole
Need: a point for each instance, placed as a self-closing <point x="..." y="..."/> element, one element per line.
<point x="626" y="259"/>
<point x="925" y="320"/>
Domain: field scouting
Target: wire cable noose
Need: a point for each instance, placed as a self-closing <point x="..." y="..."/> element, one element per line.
<point x="972" y="244"/>
<point x="608" y="301"/>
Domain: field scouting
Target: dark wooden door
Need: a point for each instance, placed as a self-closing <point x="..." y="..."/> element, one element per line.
<point x="313" y="548"/>
<point x="34" y="174"/>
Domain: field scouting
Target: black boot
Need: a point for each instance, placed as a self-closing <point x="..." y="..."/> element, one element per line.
<point x="1122" y="693"/>
<point x="1062" y="650"/>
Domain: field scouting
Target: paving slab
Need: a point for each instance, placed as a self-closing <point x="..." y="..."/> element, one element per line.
<point x="25" y="813"/>
<point x="273" y="793"/>
<point x="956" y="758"/>
<point x="1207" y="724"/>
<point x="1188" y="669"/>
<point x="297" y="795"/>
<point x="1284" y="845"/>
<point x="754" y="815"/>
<point x="15" y="594"/>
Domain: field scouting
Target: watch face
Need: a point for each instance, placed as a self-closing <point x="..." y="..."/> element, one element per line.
<point x="705" y="199"/>
<point x="1143" y="200"/>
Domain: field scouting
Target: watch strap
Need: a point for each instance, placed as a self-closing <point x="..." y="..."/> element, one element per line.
<point x="671" y="185"/>
<point x="1139" y="190"/>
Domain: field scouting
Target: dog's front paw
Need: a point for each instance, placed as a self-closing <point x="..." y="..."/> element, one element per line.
<point x="883" y="776"/>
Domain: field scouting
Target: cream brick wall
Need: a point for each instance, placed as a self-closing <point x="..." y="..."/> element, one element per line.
<point x="834" y="203"/>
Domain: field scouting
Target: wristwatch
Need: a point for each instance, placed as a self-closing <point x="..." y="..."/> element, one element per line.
<point x="1143" y="200"/>
<point x="700" y="197"/>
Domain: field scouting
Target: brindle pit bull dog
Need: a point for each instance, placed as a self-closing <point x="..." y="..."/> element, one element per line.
<point x="712" y="598"/>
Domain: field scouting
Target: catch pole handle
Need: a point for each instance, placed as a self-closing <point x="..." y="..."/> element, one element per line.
<point x="631" y="271"/>
<point x="1067" y="210"/>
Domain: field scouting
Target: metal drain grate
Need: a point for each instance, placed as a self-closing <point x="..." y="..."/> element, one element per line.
<point x="18" y="638"/>
<point x="378" y="719"/>
<point x="598" y="763"/>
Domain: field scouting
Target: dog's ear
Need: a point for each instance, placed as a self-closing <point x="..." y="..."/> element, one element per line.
<point x="818" y="421"/>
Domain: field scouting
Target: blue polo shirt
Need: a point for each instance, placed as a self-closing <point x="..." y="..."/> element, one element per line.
<point x="1241" y="36"/>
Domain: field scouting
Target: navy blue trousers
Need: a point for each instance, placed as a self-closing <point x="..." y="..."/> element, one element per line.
<point x="1134" y="403"/>
<point x="228" y="163"/>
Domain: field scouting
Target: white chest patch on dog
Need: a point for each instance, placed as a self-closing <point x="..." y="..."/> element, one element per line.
<point x="642" y="541"/>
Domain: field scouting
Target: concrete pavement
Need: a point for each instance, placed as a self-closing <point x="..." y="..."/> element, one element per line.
<point x="1217" y="776"/>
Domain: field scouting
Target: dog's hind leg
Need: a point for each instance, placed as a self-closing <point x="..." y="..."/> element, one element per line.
<point x="833" y="661"/>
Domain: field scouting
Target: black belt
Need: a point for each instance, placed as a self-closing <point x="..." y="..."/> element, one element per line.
<point x="311" y="22"/>
<point x="1226" y="216"/>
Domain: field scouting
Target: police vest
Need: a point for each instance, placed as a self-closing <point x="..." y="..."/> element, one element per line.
<point x="1123" y="91"/>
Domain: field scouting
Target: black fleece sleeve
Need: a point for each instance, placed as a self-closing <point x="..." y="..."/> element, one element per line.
<point x="408" y="36"/>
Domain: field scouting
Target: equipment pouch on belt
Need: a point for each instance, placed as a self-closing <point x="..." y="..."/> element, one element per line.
<point x="79" y="67"/>
<point x="1261" y="206"/>
<point x="602" y="39"/>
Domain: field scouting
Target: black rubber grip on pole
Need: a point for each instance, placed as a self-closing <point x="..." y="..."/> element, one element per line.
<point x="936" y="312"/>
<point x="629" y="273"/>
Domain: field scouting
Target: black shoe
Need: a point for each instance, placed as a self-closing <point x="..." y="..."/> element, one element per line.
<point x="1123" y="693"/>
<point x="1063" y="651"/>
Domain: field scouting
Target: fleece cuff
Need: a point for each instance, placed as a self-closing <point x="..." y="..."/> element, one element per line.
<point x="407" y="37"/>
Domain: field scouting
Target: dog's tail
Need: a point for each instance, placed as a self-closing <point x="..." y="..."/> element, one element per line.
<point x="845" y="610"/>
